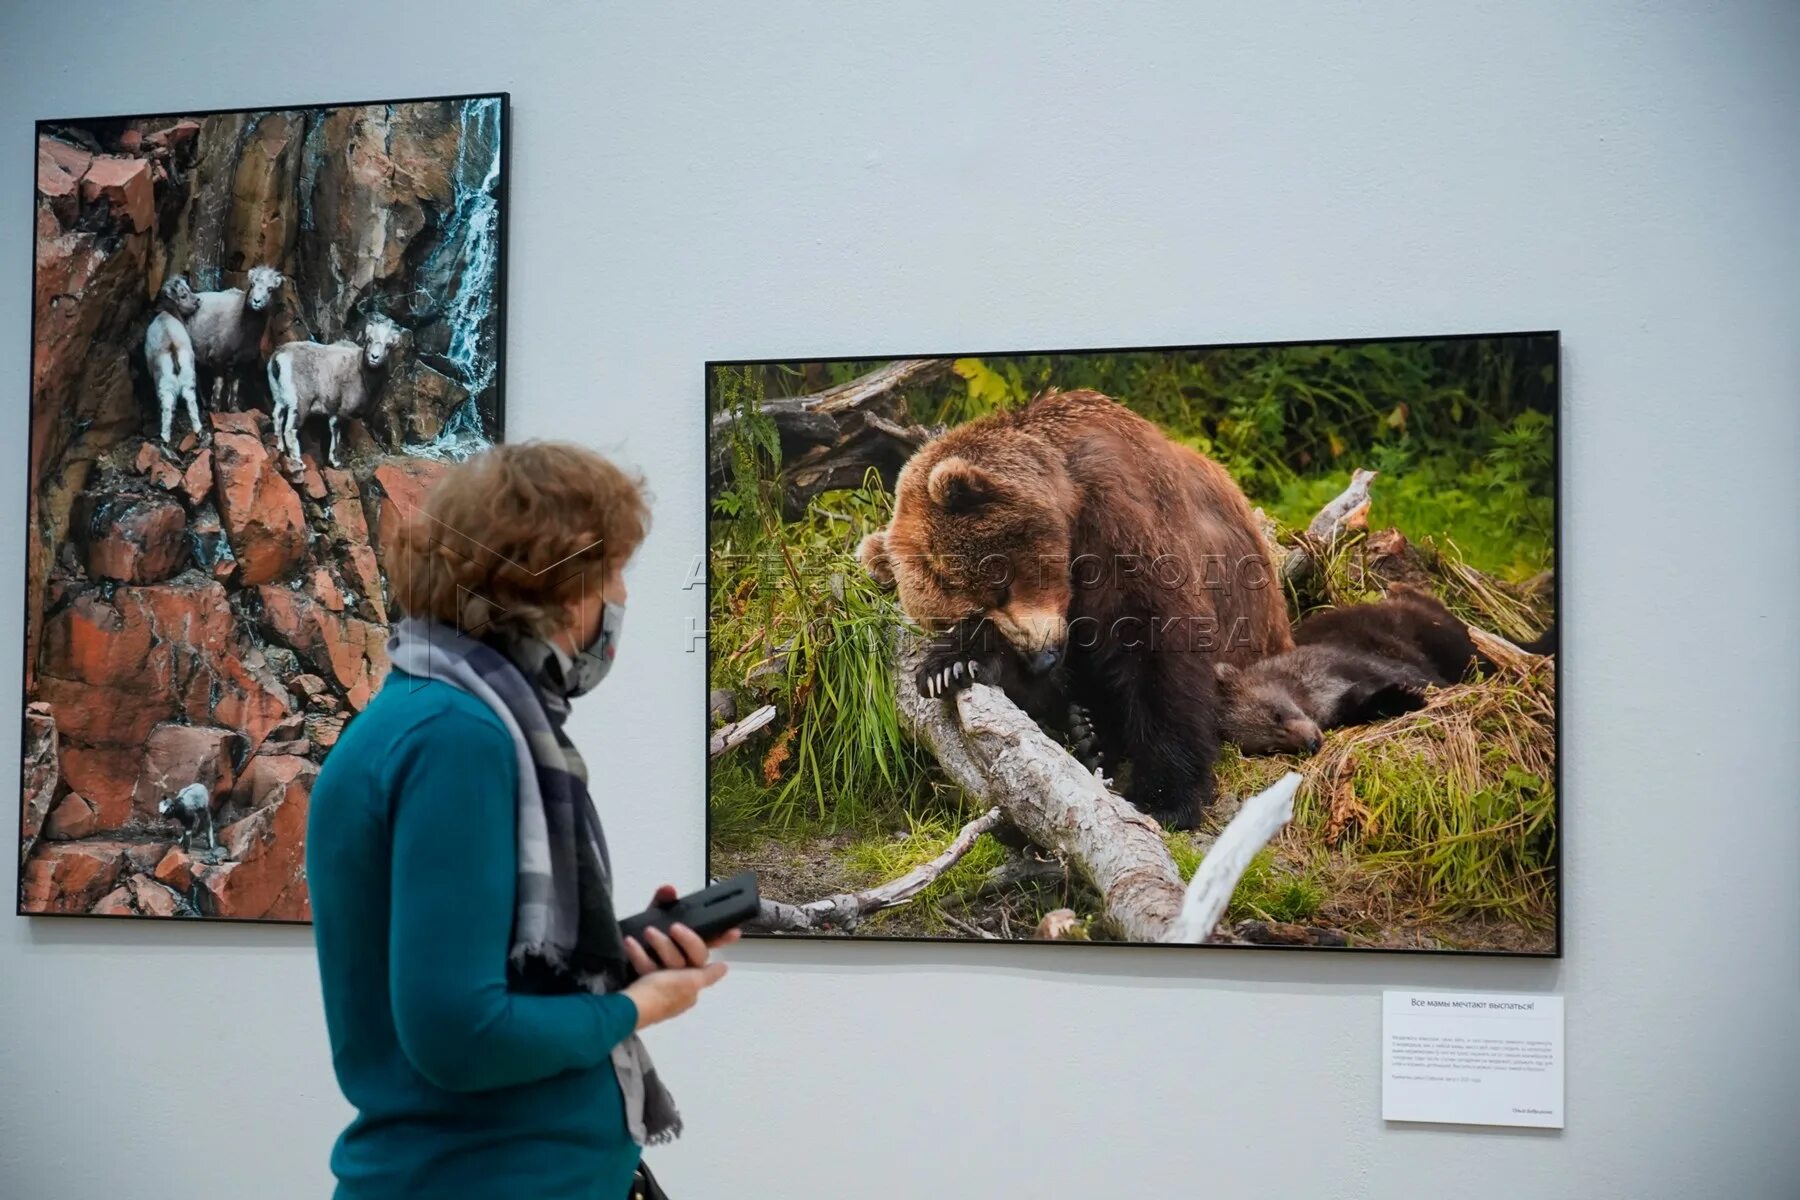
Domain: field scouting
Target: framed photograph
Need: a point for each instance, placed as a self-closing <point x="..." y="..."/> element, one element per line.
<point x="257" y="336"/>
<point x="1242" y="645"/>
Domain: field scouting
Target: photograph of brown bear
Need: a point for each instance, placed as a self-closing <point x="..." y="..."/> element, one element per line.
<point x="258" y="336"/>
<point x="979" y="623"/>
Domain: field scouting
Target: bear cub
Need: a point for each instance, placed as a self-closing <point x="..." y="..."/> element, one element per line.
<point x="1349" y="665"/>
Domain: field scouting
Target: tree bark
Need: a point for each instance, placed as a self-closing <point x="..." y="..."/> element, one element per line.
<point x="728" y="737"/>
<point x="995" y="752"/>
<point x="1261" y="818"/>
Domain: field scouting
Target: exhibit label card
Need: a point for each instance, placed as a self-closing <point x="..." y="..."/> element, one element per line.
<point x="1472" y="1058"/>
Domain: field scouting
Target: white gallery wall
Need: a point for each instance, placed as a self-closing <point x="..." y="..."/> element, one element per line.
<point x="695" y="180"/>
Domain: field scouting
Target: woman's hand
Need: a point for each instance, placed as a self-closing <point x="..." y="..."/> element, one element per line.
<point x="671" y="992"/>
<point x="680" y="948"/>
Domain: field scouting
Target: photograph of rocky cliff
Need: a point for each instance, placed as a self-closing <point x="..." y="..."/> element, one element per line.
<point x="258" y="336"/>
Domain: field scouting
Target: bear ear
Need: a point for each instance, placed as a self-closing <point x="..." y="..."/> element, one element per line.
<point x="873" y="554"/>
<point x="1226" y="673"/>
<point x="958" y="485"/>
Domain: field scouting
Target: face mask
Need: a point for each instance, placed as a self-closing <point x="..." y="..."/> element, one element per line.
<point x="591" y="665"/>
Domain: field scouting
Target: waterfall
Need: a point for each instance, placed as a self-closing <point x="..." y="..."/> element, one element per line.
<point x="470" y="250"/>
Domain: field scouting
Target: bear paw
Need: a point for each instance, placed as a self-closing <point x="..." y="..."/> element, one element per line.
<point x="944" y="673"/>
<point x="1084" y="743"/>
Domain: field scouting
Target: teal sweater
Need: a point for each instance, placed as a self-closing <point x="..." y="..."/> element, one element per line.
<point x="461" y="1087"/>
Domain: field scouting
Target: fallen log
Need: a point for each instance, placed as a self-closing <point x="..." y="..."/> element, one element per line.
<point x="1346" y="511"/>
<point x="997" y="753"/>
<point x="845" y="910"/>
<point x="1508" y="655"/>
<point x="832" y="439"/>
<point x="727" y="737"/>
<point x="1260" y="819"/>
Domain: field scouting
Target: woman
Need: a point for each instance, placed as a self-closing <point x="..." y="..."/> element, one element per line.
<point x="470" y="955"/>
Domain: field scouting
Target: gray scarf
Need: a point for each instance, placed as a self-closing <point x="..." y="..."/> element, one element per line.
<point x="565" y="934"/>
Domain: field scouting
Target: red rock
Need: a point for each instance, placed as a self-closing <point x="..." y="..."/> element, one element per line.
<point x="143" y="540"/>
<point x="248" y="698"/>
<point x="71" y="819"/>
<point x="326" y="590"/>
<point x="251" y="421"/>
<point x="313" y="484"/>
<point x="116" y="669"/>
<point x="95" y="642"/>
<point x="105" y="776"/>
<point x="131" y="141"/>
<point x="153" y="462"/>
<point x="116" y="903"/>
<point x="308" y="685"/>
<point x="341" y="484"/>
<point x="41" y="772"/>
<point x="197" y="481"/>
<point x="151" y="898"/>
<point x="176" y="869"/>
<point x="57" y="180"/>
<point x="363" y="574"/>
<point x="324" y="729"/>
<point x="99" y="714"/>
<point x="260" y="510"/>
<point x="178" y="134"/>
<point x="187" y="443"/>
<point x="177" y="755"/>
<point x="354" y="651"/>
<point x="266" y="876"/>
<point x="138" y="896"/>
<point x="124" y="183"/>
<point x="142" y="857"/>
<point x="400" y="485"/>
<point x="66" y="877"/>
<point x="67" y="156"/>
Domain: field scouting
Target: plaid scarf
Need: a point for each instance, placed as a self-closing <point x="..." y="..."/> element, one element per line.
<point x="565" y="935"/>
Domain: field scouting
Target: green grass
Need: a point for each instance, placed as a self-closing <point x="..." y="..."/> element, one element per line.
<point x="1447" y="812"/>
<point x="1268" y="890"/>
<point x="877" y="860"/>
<point x="1444" y="501"/>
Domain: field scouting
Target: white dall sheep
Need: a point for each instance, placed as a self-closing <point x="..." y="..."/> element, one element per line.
<point x="227" y="330"/>
<point x="169" y="353"/>
<point x="308" y="379"/>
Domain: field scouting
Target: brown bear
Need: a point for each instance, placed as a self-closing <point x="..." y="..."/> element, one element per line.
<point x="1088" y="540"/>
<point x="1349" y="665"/>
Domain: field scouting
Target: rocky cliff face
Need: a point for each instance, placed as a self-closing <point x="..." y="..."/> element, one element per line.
<point x="199" y="612"/>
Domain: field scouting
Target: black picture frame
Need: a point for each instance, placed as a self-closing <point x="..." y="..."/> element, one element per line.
<point x="502" y="192"/>
<point x="1557" y="540"/>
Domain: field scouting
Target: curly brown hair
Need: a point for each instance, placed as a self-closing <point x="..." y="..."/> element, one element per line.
<point x="508" y="538"/>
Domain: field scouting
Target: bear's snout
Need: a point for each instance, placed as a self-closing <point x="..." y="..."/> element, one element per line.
<point x="1037" y="634"/>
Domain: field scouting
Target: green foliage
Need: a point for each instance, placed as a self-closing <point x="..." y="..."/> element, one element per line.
<point x="1501" y="527"/>
<point x="754" y="452"/>
<point x="792" y="609"/>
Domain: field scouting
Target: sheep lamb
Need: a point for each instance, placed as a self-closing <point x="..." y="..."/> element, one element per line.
<point x="169" y="353"/>
<point x="227" y="330"/>
<point x="307" y="379"/>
